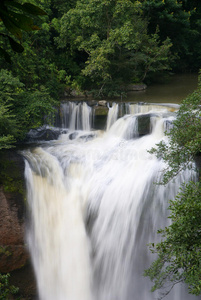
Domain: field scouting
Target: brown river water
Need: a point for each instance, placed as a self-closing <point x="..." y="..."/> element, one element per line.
<point x="175" y="90"/>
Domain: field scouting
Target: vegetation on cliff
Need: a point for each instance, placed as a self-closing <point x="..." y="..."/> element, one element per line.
<point x="179" y="252"/>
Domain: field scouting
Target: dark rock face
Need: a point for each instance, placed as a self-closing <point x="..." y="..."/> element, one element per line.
<point x="43" y="134"/>
<point x="144" y="125"/>
<point x="100" y="117"/>
<point x="14" y="257"/>
<point x="13" y="253"/>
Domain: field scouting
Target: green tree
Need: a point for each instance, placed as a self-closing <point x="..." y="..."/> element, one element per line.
<point x="32" y="80"/>
<point x="180" y="21"/>
<point x="111" y="38"/>
<point x="179" y="252"/>
<point x="20" y="109"/>
<point x="16" y="18"/>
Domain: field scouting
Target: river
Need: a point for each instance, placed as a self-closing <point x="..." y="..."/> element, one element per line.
<point x="174" y="90"/>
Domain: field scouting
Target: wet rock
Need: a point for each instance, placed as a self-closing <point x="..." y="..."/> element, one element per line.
<point x="73" y="135"/>
<point x="13" y="253"/>
<point x="87" y="137"/>
<point x="100" y="117"/>
<point x="102" y="103"/>
<point x="144" y="124"/>
<point x="92" y="103"/>
<point x="100" y="111"/>
<point x="42" y="134"/>
<point x="136" y="87"/>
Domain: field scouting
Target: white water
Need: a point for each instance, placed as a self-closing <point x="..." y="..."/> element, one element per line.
<point x="76" y="116"/>
<point x="93" y="209"/>
<point x="112" y="115"/>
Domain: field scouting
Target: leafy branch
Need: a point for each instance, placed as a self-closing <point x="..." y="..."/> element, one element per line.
<point x="16" y="19"/>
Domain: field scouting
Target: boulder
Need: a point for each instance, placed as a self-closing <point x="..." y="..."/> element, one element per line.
<point x="136" y="87"/>
<point x="100" y="117"/>
<point x="13" y="253"/>
<point x="43" y="133"/>
<point x="14" y="257"/>
<point x="144" y="124"/>
<point x="102" y="103"/>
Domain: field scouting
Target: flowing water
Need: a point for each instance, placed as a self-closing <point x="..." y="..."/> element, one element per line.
<point x="93" y="205"/>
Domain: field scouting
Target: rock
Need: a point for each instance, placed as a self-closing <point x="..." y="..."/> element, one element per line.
<point x="42" y="134"/>
<point x="87" y="137"/>
<point x="100" y="117"/>
<point x="144" y="124"/>
<point x="13" y="253"/>
<point x="14" y="257"/>
<point x="102" y="103"/>
<point x="100" y="110"/>
<point x="92" y="102"/>
<point x="73" y="135"/>
<point x="136" y="87"/>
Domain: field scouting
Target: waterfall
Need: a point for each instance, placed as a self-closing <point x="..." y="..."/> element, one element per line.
<point x="112" y="115"/>
<point x="76" y="116"/>
<point x="93" y="207"/>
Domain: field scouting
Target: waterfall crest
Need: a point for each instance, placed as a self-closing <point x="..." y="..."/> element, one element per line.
<point x="93" y="208"/>
<point x="76" y="116"/>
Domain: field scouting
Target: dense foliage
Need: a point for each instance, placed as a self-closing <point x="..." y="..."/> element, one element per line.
<point x="179" y="252"/>
<point x="112" y="38"/>
<point x="180" y="21"/>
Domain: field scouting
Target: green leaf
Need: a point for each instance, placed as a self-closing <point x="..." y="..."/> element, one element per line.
<point x="33" y="10"/>
<point x="10" y="26"/>
<point x="21" y="21"/>
<point x="26" y="7"/>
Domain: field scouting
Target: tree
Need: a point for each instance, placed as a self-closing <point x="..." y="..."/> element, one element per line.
<point x="111" y="37"/>
<point x="32" y="79"/>
<point x="16" y="18"/>
<point x="179" y="252"/>
<point x="180" y="21"/>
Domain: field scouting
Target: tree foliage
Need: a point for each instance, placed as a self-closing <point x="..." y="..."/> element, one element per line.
<point x="180" y="21"/>
<point x="16" y="18"/>
<point x="184" y="138"/>
<point x="112" y="38"/>
<point x="179" y="252"/>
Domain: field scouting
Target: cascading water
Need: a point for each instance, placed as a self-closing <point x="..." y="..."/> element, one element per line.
<point x="112" y="115"/>
<point x="93" y="207"/>
<point x="76" y="116"/>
